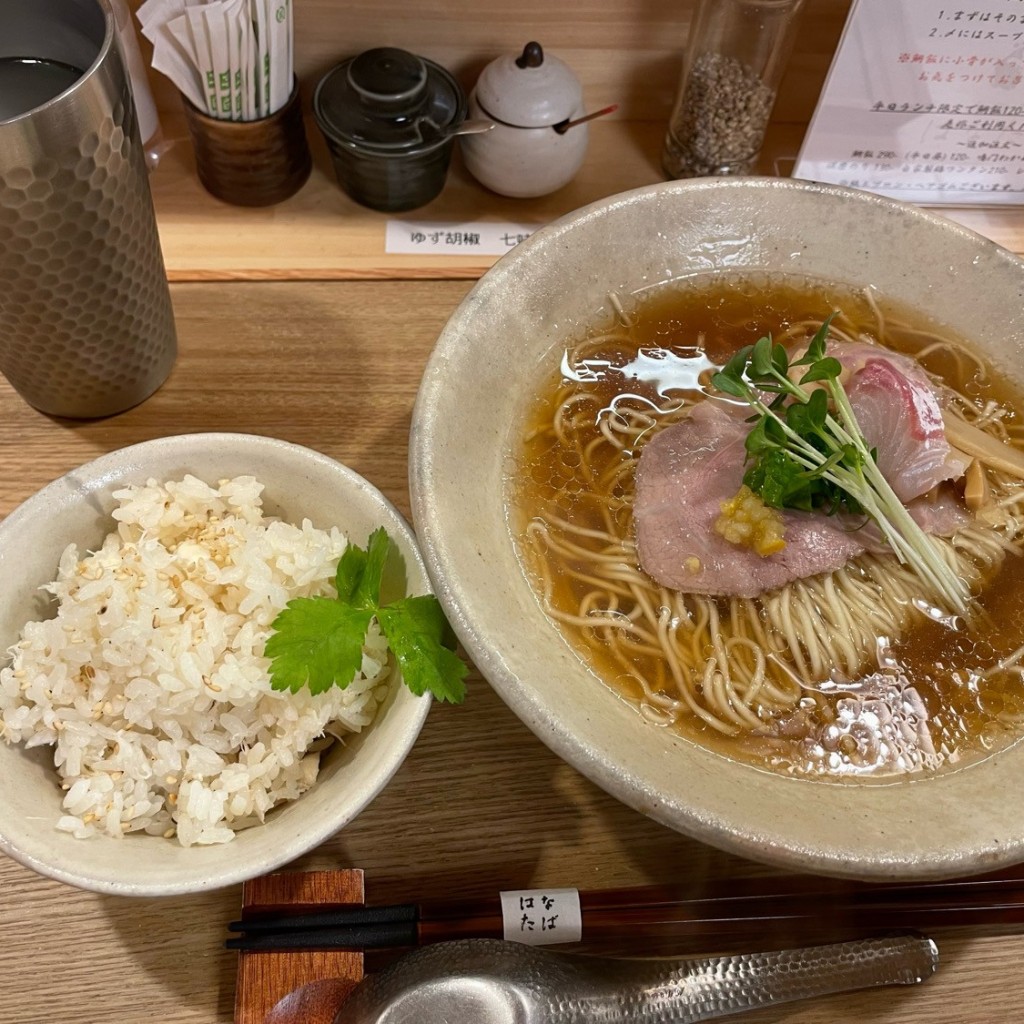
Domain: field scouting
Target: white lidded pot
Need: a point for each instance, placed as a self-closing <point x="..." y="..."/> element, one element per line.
<point x="529" y="98"/>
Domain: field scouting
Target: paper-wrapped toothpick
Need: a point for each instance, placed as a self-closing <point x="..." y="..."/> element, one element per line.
<point x="232" y="59"/>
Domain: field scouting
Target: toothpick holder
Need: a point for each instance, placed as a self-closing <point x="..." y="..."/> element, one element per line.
<point x="251" y="163"/>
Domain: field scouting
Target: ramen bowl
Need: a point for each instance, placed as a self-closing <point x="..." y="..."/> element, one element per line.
<point x="506" y="336"/>
<point x="298" y="483"/>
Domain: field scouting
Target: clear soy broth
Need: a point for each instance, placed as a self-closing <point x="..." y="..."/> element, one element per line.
<point x="674" y="339"/>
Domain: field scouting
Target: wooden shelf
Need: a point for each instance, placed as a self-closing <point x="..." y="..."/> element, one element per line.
<point x="320" y="234"/>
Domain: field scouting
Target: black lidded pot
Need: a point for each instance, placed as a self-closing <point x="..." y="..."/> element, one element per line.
<point x="387" y="116"/>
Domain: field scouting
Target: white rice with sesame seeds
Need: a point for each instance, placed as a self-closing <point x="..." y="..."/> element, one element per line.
<point x="150" y="682"/>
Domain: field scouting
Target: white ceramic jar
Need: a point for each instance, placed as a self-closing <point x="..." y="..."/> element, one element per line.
<point x="529" y="98"/>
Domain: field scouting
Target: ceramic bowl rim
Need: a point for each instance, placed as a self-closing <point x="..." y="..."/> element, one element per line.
<point x="533" y="706"/>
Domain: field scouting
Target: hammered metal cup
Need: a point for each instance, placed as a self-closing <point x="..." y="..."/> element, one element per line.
<point x="86" y="326"/>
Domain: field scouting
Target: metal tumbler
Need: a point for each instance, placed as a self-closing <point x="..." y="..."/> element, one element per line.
<point x="86" y="326"/>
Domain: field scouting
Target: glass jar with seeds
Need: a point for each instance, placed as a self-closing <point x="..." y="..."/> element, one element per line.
<point x="735" y="58"/>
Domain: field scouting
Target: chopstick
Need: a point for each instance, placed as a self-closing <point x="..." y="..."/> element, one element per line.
<point x="800" y="904"/>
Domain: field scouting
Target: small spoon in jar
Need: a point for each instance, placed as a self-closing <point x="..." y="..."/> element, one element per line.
<point x="431" y="133"/>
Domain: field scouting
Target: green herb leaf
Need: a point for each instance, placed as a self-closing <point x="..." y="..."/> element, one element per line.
<point x="757" y="440"/>
<point x="727" y="385"/>
<point x="780" y="482"/>
<point x="780" y="360"/>
<point x="319" y="641"/>
<point x="360" y="571"/>
<point x="351" y="567"/>
<point x="416" y="630"/>
<point x="817" y="409"/>
<point x="816" y="349"/>
<point x="823" y="369"/>
<point x="775" y="431"/>
<point x="367" y="593"/>
<point x="316" y="642"/>
<point x="736" y="366"/>
<point x="761" y="357"/>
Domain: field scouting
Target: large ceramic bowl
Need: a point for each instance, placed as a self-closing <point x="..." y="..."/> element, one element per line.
<point x="298" y="483"/>
<point x="489" y="357"/>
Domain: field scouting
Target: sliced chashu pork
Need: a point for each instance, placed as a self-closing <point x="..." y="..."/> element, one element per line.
<point x="688" y="469"/>
<point x="684" y="475"/>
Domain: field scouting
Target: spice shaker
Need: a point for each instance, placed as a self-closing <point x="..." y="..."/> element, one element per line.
<point x="533" y="149"/>
<point x="735" y="59"/>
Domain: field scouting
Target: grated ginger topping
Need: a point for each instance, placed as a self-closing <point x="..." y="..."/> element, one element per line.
<point x="748" y="522"/>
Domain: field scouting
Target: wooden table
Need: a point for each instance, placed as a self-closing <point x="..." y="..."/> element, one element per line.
<point x="479" y="805"/>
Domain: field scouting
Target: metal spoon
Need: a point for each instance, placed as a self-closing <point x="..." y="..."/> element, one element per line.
<point x="473" y="126"/>
<point x="488" y="981"/>
<point x="431" y="133"/>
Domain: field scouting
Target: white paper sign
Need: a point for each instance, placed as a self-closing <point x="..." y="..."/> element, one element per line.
<point x="484" y="238"/>
<point x="542" y="917"/>
<point x="924" y="102"/>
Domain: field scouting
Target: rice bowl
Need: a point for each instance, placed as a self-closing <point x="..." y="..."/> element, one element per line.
<point x="300" y="485"/>
<point x="150" y="683"/>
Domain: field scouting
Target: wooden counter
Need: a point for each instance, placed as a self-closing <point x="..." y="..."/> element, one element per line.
<point x="479" y="805"/>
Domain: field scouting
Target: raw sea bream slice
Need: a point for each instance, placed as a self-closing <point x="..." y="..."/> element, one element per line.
<point x="898" y="413"/>
<point x="688" y="469"/>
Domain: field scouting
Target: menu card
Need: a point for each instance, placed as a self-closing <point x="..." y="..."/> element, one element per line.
<point x="924" y="102"/>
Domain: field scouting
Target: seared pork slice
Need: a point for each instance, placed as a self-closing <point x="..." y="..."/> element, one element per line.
<point x="683" y="476"/>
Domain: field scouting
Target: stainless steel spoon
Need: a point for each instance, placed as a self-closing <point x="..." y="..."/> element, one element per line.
<point x="473" y="127"/>
<point x="431" y="133"/>
<point x="488" y="981"/>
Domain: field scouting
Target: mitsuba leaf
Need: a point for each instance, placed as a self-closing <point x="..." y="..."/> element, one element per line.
<point x="316" y="642"/>
<point x="417" y="632"/>
<point x="357" y="580"/>
<point x="367" y="592"/>
<point x="779" y="481"/>
<point x="351" y="567"/>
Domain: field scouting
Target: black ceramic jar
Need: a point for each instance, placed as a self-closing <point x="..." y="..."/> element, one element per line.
<point x="388" y="117"/>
